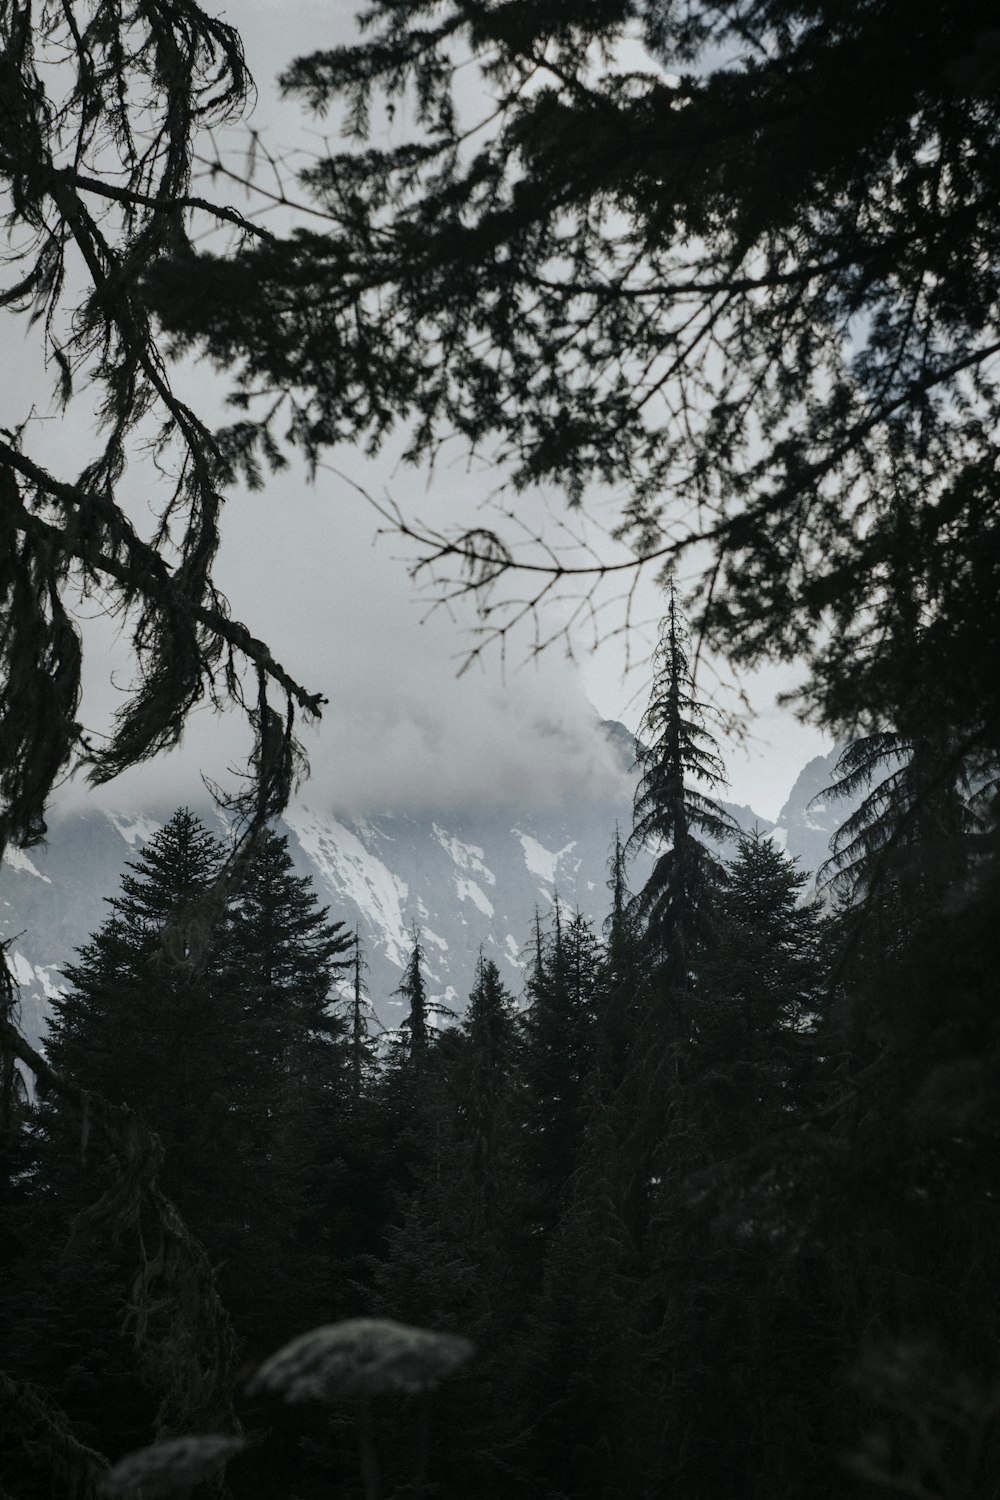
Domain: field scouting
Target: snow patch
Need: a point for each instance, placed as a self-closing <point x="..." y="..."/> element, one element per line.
<point x="18" y="860"/>
<point x="468" y="890"/>
<point x="432" y="937"/>
<point x="779" y="838"/>
<point x="466" y="856"/>
<point x="513" y="949"/>
<point x="540" y="861"/>
<point x="22" y="970"/>
<point x="29" y="975"/>
<point x="355" y="874"/>
<point x="137" y="830"/>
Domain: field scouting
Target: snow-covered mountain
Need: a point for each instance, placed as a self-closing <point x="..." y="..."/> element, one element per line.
<point x="809" y="819"/>
<point x="468" y="880"/>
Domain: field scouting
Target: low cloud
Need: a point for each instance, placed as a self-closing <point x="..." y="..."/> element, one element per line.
<point x="401" y="729"/>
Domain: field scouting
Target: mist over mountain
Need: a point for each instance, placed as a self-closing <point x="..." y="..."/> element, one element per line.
<point x="471" y="879"/>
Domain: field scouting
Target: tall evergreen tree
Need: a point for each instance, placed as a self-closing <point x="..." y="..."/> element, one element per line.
<point x="280" y="956"/>
<point x="357" y="1024"/>
<point x="283" y="947"/>
<point x="764" y="989"/>
<point x="151" y="1028"/>
<point x="677" y="915"/>
<point x="560" y="1034"/>
<point x="454" y="1256"/>
<point x="156" y="1028"/>
<point x="621" y="976"/>
<point x="225" y="1048"/>
<point x="344" y="1140"/>
<point x="485" y="1075"/>
<point x="673" y="815"/>
<point x="569" y="1390"/>
<point x="410" y="1102"/>
<point x="413" y="989"/>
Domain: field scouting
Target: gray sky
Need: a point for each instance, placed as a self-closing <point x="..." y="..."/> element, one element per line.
<point x="300" y="565"/>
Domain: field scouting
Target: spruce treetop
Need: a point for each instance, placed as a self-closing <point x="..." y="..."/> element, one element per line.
<point x="671" y="815"/>
<point x="281" y="937"/>
<point x="676" y="748"/>
<point x="177" y="864"/>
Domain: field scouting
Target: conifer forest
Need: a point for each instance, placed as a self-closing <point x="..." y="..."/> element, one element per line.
<point x="710" y="1207"/>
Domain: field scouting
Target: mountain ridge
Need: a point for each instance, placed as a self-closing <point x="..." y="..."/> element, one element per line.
<point x="470" y="882"/>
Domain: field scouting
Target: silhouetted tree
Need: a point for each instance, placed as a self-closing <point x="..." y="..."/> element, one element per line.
<point x="677" y="756"/>
<point x="559" y="1027"/>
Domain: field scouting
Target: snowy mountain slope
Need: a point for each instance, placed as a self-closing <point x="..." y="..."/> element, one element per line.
<point x="467" y="883"/>
<point x="475" y="883"/>
<point x="467" y="880"/>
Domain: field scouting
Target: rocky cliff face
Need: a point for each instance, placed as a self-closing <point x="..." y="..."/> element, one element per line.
<point x="809" y="818"/>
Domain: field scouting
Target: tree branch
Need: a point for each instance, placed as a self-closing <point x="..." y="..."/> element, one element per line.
<point x="126" y="195"/>
<point x="158" y="582"/>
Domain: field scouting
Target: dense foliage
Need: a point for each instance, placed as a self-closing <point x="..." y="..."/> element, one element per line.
<point x="718" y="1201"/>
<point x="715" y="1200"/>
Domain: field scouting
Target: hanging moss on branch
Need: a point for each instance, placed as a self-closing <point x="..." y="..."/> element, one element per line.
<point x="102" y="106"/>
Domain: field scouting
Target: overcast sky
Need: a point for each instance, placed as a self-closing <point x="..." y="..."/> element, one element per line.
<point x="301" y="565"/>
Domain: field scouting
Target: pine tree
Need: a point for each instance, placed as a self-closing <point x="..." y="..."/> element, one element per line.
<point x="671" y="815"/>
<point x="454" y="1255"/>
<point x="559" y="1047"/>
<point x="159" y="1031"/>
<point x="621" y="977"/>
<point x="281" y="957"/>
<point x="763" y="984"/>
<point x="343" y="1141"/>
<point x="158" y="1036"/>
<point x="410" y="1101"/>
<point x="360" y="1042"/>
<point x="413" y="988"/>
<point x="568" y="1389"/>
<point x="485" y="1072"/>
<point x="227" y="1050"/>
<point x="677" y="914"/>
<point x="463" y="1186"/>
